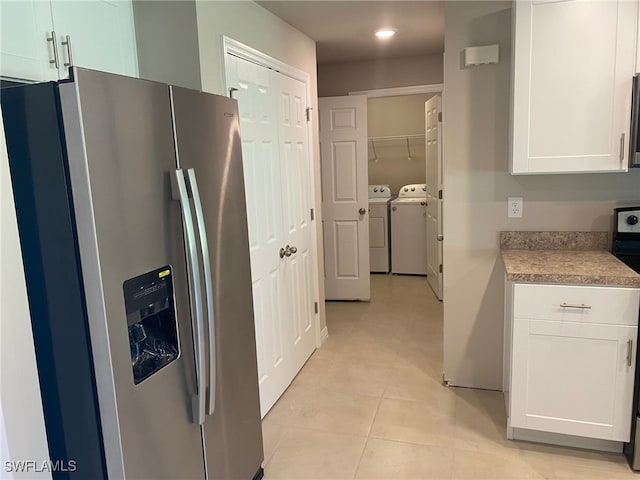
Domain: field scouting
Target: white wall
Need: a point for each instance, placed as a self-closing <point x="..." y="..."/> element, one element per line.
<point x="476" y="187"/>
<point x="336" y="79"/>
<point x="252" y="25"/>
<point x="21" y="417"/>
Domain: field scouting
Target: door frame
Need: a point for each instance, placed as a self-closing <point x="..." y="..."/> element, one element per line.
<point x="437" y="89"/>
<point x="245" y="52"/>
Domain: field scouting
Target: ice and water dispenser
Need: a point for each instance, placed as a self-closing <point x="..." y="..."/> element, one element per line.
<point x="151" y="319"/>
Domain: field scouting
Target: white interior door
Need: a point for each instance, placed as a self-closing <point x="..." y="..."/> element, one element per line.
<point x="297" y="193"/>
<point x="343" y="154"/>
<point x="433" y="141"/>
<point x="277" y="171"/>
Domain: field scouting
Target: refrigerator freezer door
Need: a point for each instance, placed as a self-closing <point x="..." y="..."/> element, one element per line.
<point x="208" y="141"/>
<point x="121" y="155"/>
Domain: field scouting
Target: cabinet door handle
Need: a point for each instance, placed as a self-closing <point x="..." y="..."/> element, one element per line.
<point x="67" y="42"/>
<point x="629" y="351"/>
<point x="52" y="39"/>
<point x="573" y="305"/>
<point x="622" y="147"/>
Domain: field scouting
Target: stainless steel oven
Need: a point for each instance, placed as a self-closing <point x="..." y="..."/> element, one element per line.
<point x="626" y="246"/>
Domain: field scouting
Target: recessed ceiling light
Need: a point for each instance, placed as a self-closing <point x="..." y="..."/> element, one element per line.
<point x="385" y="33"/>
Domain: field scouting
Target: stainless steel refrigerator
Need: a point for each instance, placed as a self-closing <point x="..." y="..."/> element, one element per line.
<point x="132" y="218"/>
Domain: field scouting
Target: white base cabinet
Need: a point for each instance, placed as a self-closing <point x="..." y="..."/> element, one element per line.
<point x="572" y="359"/>
<point x="573" y="63"/>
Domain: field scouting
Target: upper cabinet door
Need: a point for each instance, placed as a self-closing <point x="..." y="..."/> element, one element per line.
<point x="573" y="62"/>
<point x="25" y="51"/>
<point x="101" y="33"/>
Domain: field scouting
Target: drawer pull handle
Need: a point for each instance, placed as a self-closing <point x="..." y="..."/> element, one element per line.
<point x="573" y="305"/>
<point x="629" y="351"/>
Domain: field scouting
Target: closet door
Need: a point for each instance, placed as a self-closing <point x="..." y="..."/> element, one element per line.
<point x="277" y="171"/>
<point x="261" y="160"/>
<point x="297" y="191"/>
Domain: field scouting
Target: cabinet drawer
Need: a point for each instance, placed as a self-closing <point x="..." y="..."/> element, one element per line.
<point x="607" y="305"/>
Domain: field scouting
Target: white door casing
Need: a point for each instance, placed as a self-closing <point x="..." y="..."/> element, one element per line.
<point x="277" y="169"/>
<point x="343" y="156"/>
<point x="433" y="155"/>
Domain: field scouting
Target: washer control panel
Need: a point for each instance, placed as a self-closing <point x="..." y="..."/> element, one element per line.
<point x="379" y="191"/>
<point x="414" y="190"/>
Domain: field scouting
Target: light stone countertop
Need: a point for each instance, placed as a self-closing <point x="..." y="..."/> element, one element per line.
<point x="564" y="257"/>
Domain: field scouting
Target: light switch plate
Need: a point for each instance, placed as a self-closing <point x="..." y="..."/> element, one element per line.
<point x="514" y="207"/>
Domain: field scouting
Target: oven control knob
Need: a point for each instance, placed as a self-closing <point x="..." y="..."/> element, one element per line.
<point x="632" y="220"/>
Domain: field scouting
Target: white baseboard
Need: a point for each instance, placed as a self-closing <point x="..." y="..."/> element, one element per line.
<point x="565" y="440"/>
<point x="324" y="334"/>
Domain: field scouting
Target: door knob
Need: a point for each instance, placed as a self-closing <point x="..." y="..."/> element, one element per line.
<point x="287" y="251"/>
<point x="440" y="238"/>
<point x="362" y="211"/>
<point x="423" y="203"/>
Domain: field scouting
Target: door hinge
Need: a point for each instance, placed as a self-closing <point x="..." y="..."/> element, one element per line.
<point x="308" y="113"/>
<point x="439" y="194"/>
<point x="313" y="215"/>
<point x="440" y="268"/>
<point x="315" y="306"/>
<point x="439" y="116"/>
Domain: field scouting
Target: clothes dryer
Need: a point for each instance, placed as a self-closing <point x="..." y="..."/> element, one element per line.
<point x="409" y="230"/>
<point x="379" y="198"/>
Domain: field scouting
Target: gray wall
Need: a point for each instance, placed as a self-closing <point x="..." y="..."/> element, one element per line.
<point x="336" y="79"/>
<point x="476" y="187"/>
<point x="167" y="41"/>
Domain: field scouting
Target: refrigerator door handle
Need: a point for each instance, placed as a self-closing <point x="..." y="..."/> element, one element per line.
<point x="193" y="267"/>
<point x="208" y="282"/>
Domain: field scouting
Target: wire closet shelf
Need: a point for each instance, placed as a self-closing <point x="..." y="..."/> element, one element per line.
<point x="394" y="138"/>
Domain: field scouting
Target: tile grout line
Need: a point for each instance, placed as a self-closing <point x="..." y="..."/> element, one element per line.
<point x="370" y="428"/>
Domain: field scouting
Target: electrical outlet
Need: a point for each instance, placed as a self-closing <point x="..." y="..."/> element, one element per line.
<point x="514" y="207"/>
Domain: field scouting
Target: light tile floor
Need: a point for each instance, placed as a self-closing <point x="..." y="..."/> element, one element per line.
<point x="369" y="404"/>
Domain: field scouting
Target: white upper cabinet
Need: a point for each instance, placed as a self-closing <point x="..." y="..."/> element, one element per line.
<point x="41" y="39"/>
<point x="101" y="35"/>
<point x="25" y="53"/>
<point x="573" y="63"/>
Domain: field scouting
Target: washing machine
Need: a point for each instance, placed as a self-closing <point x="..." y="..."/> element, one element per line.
<point x="409" y="230"/>
<point x="379" y="198"/>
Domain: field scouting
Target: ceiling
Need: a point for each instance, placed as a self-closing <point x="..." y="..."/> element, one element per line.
<point x="344" y="30"/>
